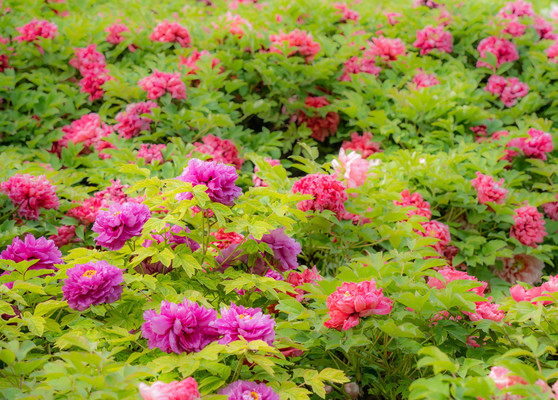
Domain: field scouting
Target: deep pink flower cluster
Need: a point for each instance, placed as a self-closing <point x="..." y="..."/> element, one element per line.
<point x="552" y="52"/>
<point x="115" y="35"/>
<point x="437" y="230"/>
<point x="285" y="249"/>
<point x="65" y="235"/>
<point x="184" y="327"/>
<point x="486" y="310"/>
<point x="221" y="150"/>
<point x="544" y="28"/>
<point x="301" y="42"/>
<point x="244" y="390"/>
<point x="219" y="178"/>
<point x="518" y="8"/>
<point x="43" y="250"/>
<point x="535" y="146"/>
<point x="327" y="192"/>
<point x="351" y="301"/>
<point x="415" y="200"/>
<point x="92" y="67"/>
<point x="250" y="323"/>
<point x="529" y="226"/>
<point x="520" y="268"/>
<point x="30" y="193"/>
<point x="92" y="284"/>
<point x="171" y="32"/>
<point x="152" y="152"/>
<point x="36" y="29"/>
<point x="362" y="144"/>
<point x="120" y="223"/>
<point x="191" y="62"/>
<point x="225" y="239"/>
<point x="89" y="130"/>
<point x="130" y="123"/>
<point x="504" y="50"/>
<point x="256" y="180"/>
<point x="488" y="190"/>
<point x="387" y="49"/>
<point x="183" y="390"/>
<point x="159" y="83"/>
<point x="450" y="274"/>
<point x="509" y="90"/>
<point x="321" y="127"/>
<point x="551" y="209"/>
<point x="519" y="293"/>
<point x="434" y="38"/>
<point x="346" y="13"/>
<point x="86" y="213"/>
<point x="424" y="80"/>
<point x="356" y="65"/>
<point x="298" y="279"/>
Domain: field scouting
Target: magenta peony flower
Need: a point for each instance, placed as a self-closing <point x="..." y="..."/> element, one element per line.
<point x="173" y="236"/>
<point x="529" y="226"/>
<point x="431" y="38"/>
<point x="171" y="32"/>
<point x="352" y="168"/>
<point x="250" y="323"/>
<point x="489" y="190"/>
<point x="183" y="390"/>
<point x="521" y="268"/>
<point x="301" y="42"/>
<point x="285" y="249"/>
<point x="535" y="146"/>
<point x="328" y="193"/>
<point x="120" y="223"/>
<point x="221" y="150"/>
<point x="131" y="123"/>
<point x="244" y="390"/>
<point x="450" y="274"/>
<point x="219" y="178"/>
<point x="41" y="249"/>
<point x="354" y="300"/>
<point x="503" y="49"/>
<point x="152" y="152"/>
<point x="184" y="327"/>
<point x="92" y="284"/>
<point x="414" y="200"/>
<point x="321" y="127"/>
<point x="36" y="29"/>
<point x="159" y="83"/>
<point x="362" y="144"/>
<point x="30" y="193"/>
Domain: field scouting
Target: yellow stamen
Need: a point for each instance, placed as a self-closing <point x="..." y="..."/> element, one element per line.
<point x="254" y="396"/>
<point x="89" y="273"/>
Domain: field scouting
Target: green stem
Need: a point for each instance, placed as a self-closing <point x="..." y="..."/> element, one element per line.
<point x="238" y="368"/>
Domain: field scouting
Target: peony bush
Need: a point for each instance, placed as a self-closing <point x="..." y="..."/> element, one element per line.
<point x="278" y="200"/>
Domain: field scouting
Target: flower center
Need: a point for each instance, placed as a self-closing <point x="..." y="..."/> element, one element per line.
<point x="242" y="316"/>
<point x="254" y="395"/>
<point x="89" y="273"/>
<point x="347" y="293"/>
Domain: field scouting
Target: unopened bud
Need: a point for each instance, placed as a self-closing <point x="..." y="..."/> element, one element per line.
<point x="352" y="390"/>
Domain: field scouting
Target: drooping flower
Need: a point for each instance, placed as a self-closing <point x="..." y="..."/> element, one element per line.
<point x="120" y="223"/>
<point x="351" y="168"/>
<point x="31" y="248"/>
<point x="297" y="279"/>
<point x="321" y="126"/>
<point x="423" y="80"/>
<point x="451" y="274"/>
<point x="285" y="249"/>
<point x="503" y="49"/>
<point x="299" y="41"/>
<point x="352" y="301"/>
<point x="171" y="32"/>
<point x="362" y="144"/>
<point x="159" y="83"/>
<point x="219" y="178"/>
<point x="434" y="38"/>
<point x="387" y="49"/>
<point x="92" y="283"/>
<point x="488" y="190"/>
<point x="186" y="389"/>
<point x="415" y="200"/>
<point x="30" y="194"/>
<point x="131" y="123"/>
<point x="256" y="180"/>
<point x="250" y="323"/>
<point x="437" y="230"/>
<point x="328" y="193"/>
<point x="221" y="150"/>
<point x="535" y="146"/>
<point x="509" y="90"/>
<point x="529" y="226"/>
<point x="520" y="268"/>
<point x="184" y="327"/>
<point x="36" y="29"/>
<point x="244" y="390"/>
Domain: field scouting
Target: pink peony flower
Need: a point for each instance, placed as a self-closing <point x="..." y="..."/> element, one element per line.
<point x="244" y="390"/>
<point x="191" y="62"/>
<point x="552" y="52"/>
<point x="346" y="13"/>
<point x="159" y="83"/>
<point x="424" y="80"/>
<point x="352" y="301"/>
<point x="29" y="194"/>
<point x="518" y="8"/>
<point x="427" y="3"/>
<point x="355" y="65"/>
<point x="544" y="28"/>
<point x="120" y="223"/>
<point x="225" y="239"/>
<point x="256" y="180"/>
<point x="387" y="49"/>
<point x="221" y="150"/>
<point x="414" y="200"/>
<point x="92" y="284"/>
<point x="431" y="38"/>
<point x="535" y="146"/>
<point x="503" y="49"/>
<point x="152" y="152"/>
<point x="392" y="17"/>
<point x="352" y="168"/>
<point x="551" y="209"/>
<point x="486" y="310"/>
<point x="301" y="42"/>
<point x="86" y="213"/>
<point x="66" y="234"/>
<point x="321" y="127"/>
<point x="234" y="24"/>
<point x="529" y="226"/>
<point x="503" y="378"/>
<point x="89" y="130"/>
<point x="509" y="90"/>
<point x="131" y="123"/>
<point x="92" y="66"/>
<point x="36" y="29"/>
<point x="219" y="178"/>
<point x="183" y="390"/>
<point x="513" y="26"/>
<point x="171" y="32"/>
<point x="362" y="144"/>
<point x="488" y="190"/>
<point x="521" y="268"/>
<point x="297" y="279"/>
<point x="438" y="231"/>
<point x="43" y="250"/>
<point x="450" y="274"/>
<point x="184" y="327"/>
<point x="250" y="323"/>
<point x="115" y="33"/>
<point x="327" y="192"/>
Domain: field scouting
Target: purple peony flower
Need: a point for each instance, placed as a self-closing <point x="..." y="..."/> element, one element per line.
<point x="250" y="323"/>
<point x="40" y="249"/>
<point x="219" y="179"/>
<point x="174" y="236"/>
<point x="285" y="249"/>
<point x="120" y="223"/>
<point x="184" y="327"/>
<point x="93" y="283"/>
<point x="244" y="390"/>
<point x="274" y="274"/>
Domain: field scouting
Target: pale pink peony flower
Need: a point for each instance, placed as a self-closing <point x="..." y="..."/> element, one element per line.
<point x="529" y="226"/>
<point x="159" y="83"/>
<point x="503" y="378"/>
<point x="302" y="42"/>
<point x="431" y="38"/>
<point x="504" y="50"/>
<point x="183" y="390"/>
<point x="352" y="168"/>
<point x="520" y="268"/>
<point x="171" y="32"/>
<point x="488" y="190"/>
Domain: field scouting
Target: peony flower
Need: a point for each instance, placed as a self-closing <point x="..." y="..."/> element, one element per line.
<point x="120" y="223"/>
<point x="65" y="235"/>
<point x="285" y="249"/>
<point x="503" y="49"/>
<point x="529" y="226"/>
<point x="362" y="144"/>
<point x="130" y="123"/>
<point x="29" y="194"/>
<point x="535" y="146"/>
<point x="219" y="178"/>
<point x="92" y="283"/>
<point x="152" y="152"/>
<point x="191" y="62"/>
<point x="551" y="209"/>
<point x="486" y="310"/>
<point x="437" y="230"/>
<point x="301" y="42"/>
<point x="173" y="236"/>
<point x="159" y="83"/>
<point x="327" y="192"/>
<point x="509" y="90"/>
<point x="552" y="52"/>
<point x="86" y="213"/>
<point x="352" y="168"/>
<point x="423" y="80"/>
<point x="225" y="239"/>
<point x="489" y="190"/>
<point x="92" y="66"/>
<point x="221" y="150"/>
<point x="544" y="28"/>
<point x="450" y="274"/>
<point x="171" y="32"/>
<point x="352" y="301"/>
<point x="250" y="323"/>
<point x="36" y="29"/>
<point x="355" y="65"/>
<point x="184" y="327"/>
<point x="431" y="38"/>
<point x="521" y="268"/>
<point x="244" y="390"/>
<point x="115" y="37"/>
<point x="346" y="13"/>
<point x="414" y="200"/>
<point x="518" y="8"/>
<point x="321" y="127"/>
<point x="503" y="378"/>
<point x="183" y="390"/>
<point x="256" y="180"/>
<point x="89" y="130"/>
<point x="43" y="250"/>
<point x="387" y="49"/>
<point x="297" y="279"/>
<point x="392" y="17"/>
